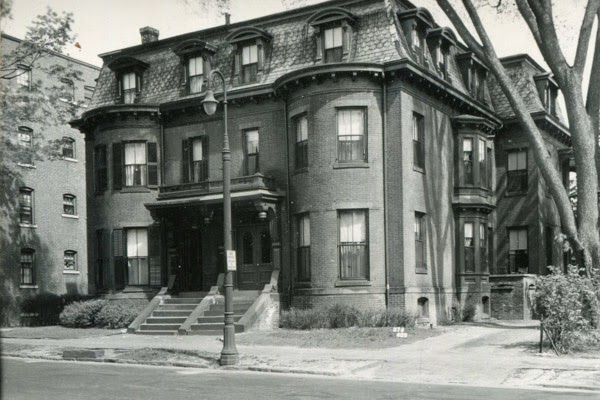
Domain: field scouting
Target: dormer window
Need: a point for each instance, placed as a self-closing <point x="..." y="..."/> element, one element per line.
<point x="129" y="72"/>
<point x="332" y="28"/>
<point x="474" y="74"/>
<point x="440" y="40"/>
<point x="415" y="23"/>
<point x="195" y="61"/>
<point x="548" y="91"/>
<point x="250" y="49"/>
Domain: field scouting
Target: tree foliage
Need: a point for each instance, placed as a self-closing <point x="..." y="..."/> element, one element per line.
<point x="581" y="229"/>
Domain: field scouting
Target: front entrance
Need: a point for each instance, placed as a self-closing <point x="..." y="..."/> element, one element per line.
<point x="190" y="271"/>
<point x="254" y="257"/>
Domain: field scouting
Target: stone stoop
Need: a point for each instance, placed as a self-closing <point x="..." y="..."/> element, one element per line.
<point x="212" y="322"/>
<point x="168" y="316"/>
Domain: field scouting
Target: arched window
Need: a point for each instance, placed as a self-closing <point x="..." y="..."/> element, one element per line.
<point x="69" y="204"/>
<point x="68" y="147"/>
<point x="70" y="260"/>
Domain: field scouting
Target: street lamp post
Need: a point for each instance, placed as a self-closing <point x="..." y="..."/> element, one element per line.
<point x="229" y="354"/>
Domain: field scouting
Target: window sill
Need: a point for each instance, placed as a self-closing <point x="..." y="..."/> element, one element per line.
<point x="70" y="272"/>
<point x="350" y="283"/>
<point x="69" y="159"/>
<point x="28" y="286"/>
<point x="28" y="226"/>
<point x="30" y="166"/>
<point x="70" y="216"/>
<point x="300" y="170"/>
<point x="135" y="190"/>
<point x="421" y="271"/>
<point x="418" y="169"/>
<point x="354" y="164"/>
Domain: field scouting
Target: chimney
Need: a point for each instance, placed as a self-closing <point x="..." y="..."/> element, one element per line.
<point x="227" y="18"/>
<point x="149" y="34"/>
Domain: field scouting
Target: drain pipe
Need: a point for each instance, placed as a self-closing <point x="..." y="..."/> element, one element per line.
<point x="385" y="208"/>
<point x="288" y="201"/>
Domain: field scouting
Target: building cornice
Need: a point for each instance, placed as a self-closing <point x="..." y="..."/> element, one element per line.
<point x="548" y="122"/>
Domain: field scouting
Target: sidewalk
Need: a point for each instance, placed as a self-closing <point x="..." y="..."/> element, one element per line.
<point x="502" y="354"/>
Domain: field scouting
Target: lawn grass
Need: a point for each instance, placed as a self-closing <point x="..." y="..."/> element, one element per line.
<point x="343" y="338"/>
<point x="55" y="332"/>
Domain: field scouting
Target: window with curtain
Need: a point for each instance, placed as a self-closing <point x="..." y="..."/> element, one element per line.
<point x="301" y="142"/>
<point x="333" y="45"/>
<point x="135" y="164"/>
<point x="249" y="63"/>
<point x="420" y="242"/>
<point x="303" y="248"/>
<point x="518" y="257"/>
<point x="27" y="267"/>
<point x="516" y="181"/>
<point x="199" y="160"/>
<point x="195" y="73"/>
<point x="483" y="164"/>
<point x="469" y="245"/>
<point x="351" y="135"/>
<point x="468" y="161"/>
<point x="251" y="149"/>
<point x="137" y="256"/>
<point x="353" y="244"/>
<point x="418" y="141"/>
<point x="129" y="87"/>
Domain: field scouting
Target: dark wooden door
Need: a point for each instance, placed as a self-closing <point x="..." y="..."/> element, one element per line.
<point x="190" y="273"/>
<point x="254" y="257"/>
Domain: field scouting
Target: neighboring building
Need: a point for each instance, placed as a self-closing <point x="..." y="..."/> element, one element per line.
<point x="369" y="154"/>
<point x="43" y="244"/>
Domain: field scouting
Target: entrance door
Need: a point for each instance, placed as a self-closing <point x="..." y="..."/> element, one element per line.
<point x="190" y="273"/>
<point x="255" y="261"/>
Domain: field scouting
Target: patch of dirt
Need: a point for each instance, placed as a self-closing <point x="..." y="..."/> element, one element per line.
<point x="149" y="355"/>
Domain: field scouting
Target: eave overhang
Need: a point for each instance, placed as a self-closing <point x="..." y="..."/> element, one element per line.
<point x="548" y="122"/>
<point x="88" y="119"/>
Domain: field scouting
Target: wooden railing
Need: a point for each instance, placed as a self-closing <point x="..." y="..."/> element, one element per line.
<point x="256" y="181"/>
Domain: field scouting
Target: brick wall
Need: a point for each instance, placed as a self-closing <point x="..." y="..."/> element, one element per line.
<point x="510" y="296"/>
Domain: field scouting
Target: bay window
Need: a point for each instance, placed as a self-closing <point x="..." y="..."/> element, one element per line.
<point x="301" y="149"/>
<point x="469" y="245"/>
<point x="303" y="248"/>
<point x="351" y="135"/>
<point x="353" y="244"/>
<point x="135" y="164"/>
<point x="467" y="158"/>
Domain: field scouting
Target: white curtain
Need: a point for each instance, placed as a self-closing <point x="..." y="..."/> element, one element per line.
<point x="250" y="55"/>
<point x="351" y="122"/>
<point x="517" y="160"/>
<point x="197" y="150"/>
<point x="333" y="38"/>
<point x="518" y="239"/>
<point x="302" y="129"/>
<point x="353" y="227"/>
<point x="251" y="142"/>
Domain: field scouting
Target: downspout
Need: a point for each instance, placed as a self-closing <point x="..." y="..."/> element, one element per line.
<point x="385" y="208"/>
<point x="288" y="201"/>
<point x="162" y="148"/>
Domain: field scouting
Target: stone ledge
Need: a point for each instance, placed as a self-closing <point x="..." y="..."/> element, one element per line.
<point x="82" y="354"/>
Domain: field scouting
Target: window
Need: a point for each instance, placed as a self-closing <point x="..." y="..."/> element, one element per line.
<point x="251" y="149"/>
<point x="129" y="88"/>
<point x="88" y="92"/>
<point x="516" y="181"/>
<point x="423" y="307"/>
<point x="199" y="159"/>
<point x="301" y="142"/>
<point x="441" y="60"/>
<point x="518" y="258"/>
<point x="135" y="163"/>
<point x="137" y="257"/>
<point x="333" y="44"/>
<point x="100" y="169"/>
<point x="468" y="161"/>
<point x="24" y="76"/>
<point x="26" y="206"/>
<point x="195" y="72"/>
<point x="67" y="90"/>
<point x="249" y="63"/>
<point x="303" y="249"/>
<point x="351" y="135"/>
<point x="68" y="147"/>
<point x="69" y="204"/>
<point x="418" y="141"/>
<point x="25" y="138"/>
<point x="469" y="247"/>
<point x="420" y="243"/>
<point x="483" y="257"/>
<point x="483" y="164"/>
<point x="353" y="245"/>
<point x="27" y="267"/>
<point x="416" y="41"/>
<point x="70" y="260"/>
<point x="550" y="99"/>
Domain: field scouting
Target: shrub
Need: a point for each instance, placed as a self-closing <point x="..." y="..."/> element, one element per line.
<point x="569" y="306"/>
<point x="344" y="316"/>
<point x="81" y="314"/>
<point x="117" y="314"/>
<point x="468" y="312"/>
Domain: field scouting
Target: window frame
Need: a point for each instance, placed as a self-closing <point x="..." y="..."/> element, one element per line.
<point x="26" y="146"/>
<point x="149" y="178"/>
<point x="418" y="130"/>
<point x="73" y="204"/>
<point x="250" y="67"/>
<point x="24" y="71"/>
<point x="248" y="156"/>
<point x="137" y="257"/>
<point x="203" y="163"/>
<point x="363" y="140"/>
<point x="303" y="275"/>
<point x="333" y="54"/>
<point x="30" y="267"/>
<point x="25" y="209"/>
<point x="517" y="174"/>
<point x="70" y="257"/>
<point x="364" y="245"/>
<point x="189" y="75"/>
<point x="68" y="90"/>
<point x="420" y="228"/>
<point x="300" y="146"/>
<point x="66" y="140"/>
<point x="513" y="268"/>
<point x="469" y="267"/>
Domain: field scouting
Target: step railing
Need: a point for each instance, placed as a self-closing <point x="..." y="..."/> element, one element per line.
<point x="147" y="311"/>
<point x="262" y="302"/>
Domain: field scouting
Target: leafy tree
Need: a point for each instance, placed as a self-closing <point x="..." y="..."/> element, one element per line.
<point x="583" y="113"/>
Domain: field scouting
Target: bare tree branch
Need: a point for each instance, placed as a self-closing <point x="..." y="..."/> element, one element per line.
<point x="593" y="95"/>
<point x="530" y="19"/>
<point x="585" y="33"/>
<point x="461" y="28"/>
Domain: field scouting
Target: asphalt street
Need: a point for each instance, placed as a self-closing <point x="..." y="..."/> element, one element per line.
<point x="39" y="379"/>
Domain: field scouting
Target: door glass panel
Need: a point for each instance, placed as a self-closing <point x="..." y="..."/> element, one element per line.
<point x="265" y="245"/>
<point x="247" y="248"/>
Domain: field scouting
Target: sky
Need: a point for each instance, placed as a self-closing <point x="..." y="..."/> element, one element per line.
<point x="107" y="25"/>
